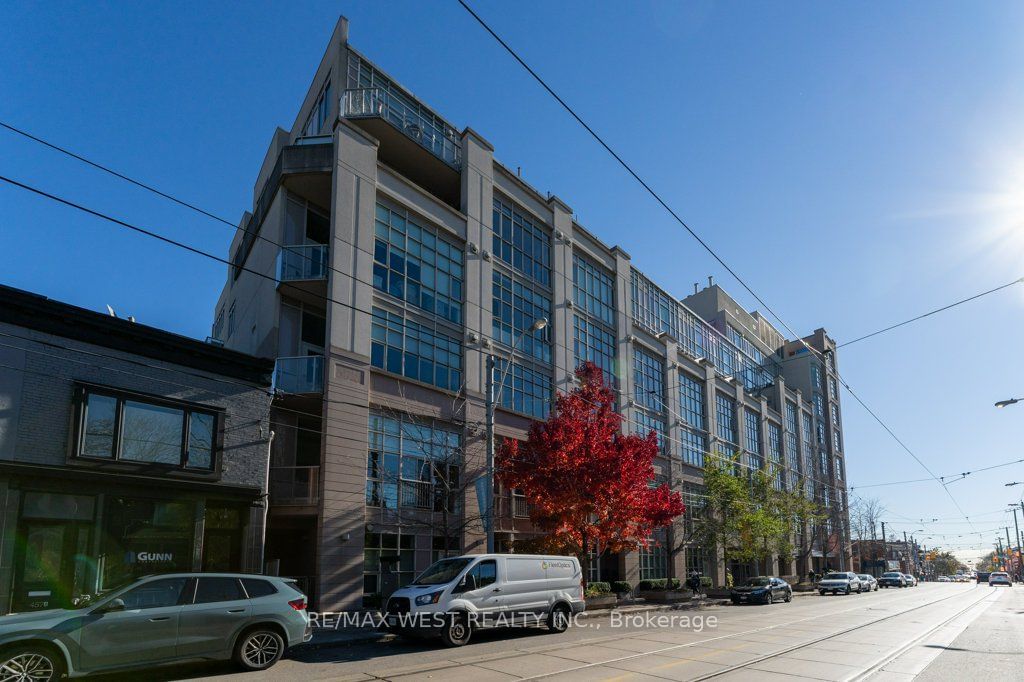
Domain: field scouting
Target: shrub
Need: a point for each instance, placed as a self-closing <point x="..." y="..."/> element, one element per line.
<point x="621" y="586"/>
<point x="650" y="585"/>
<point x="595" y="589"/>
<point x="673" y="584"/>
<point x="705" y="581"/>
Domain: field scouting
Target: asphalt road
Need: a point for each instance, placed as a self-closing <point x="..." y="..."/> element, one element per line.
<point x="937" y="631"/>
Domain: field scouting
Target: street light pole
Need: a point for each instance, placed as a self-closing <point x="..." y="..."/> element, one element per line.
<point x="491" y="389"/>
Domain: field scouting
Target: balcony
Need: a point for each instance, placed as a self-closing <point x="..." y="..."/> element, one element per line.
<point x="413" y="140"/>
<point x="300" y="375"/>
<point x="294" y="486"/>
<point x="302" y="262"/>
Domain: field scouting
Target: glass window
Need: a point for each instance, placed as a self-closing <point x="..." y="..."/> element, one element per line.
<point x="386" y="555"/>
<point x="775" y="454"/>
<point x="834" y="410"/>
<point x="210" y="590"/>
<point x="134" y="430"/>
<point x="752" y="424"/>
<point x="653" y="309"/>
<point x="653" y="558"/>
<point x="412" y="463"/>
<point x="648" y="380"/>
<point x="593" y="290"/>
<point x="100" y="420"/>
<point x="523" y="389"/>
<point x="692" y="406"/>
<point x="593" y="343"/>
<point x="414" y="350"/>
<point x="837" y="440"/>
<point x="644" y="423"/>
<point x="258" y="588"/>
<point x="515" y="307"/>
<point x="145" y="536"/>
<point x="725" y="416"/>
<point x="521" y="242"/>
<point x="418" y="264"/>
<point x="833" y="391"/>
<point x="792" y="454"/>
<point x="154" y="594"/>
<point x="485" y="572"/>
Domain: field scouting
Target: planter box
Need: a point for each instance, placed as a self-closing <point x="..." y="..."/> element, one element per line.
<point x="717" y="592"/>
<point x="603" y="601"/>
<point x="665" y="596"/>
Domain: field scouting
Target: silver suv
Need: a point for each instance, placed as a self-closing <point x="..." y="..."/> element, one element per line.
<point x="158" y="619"/>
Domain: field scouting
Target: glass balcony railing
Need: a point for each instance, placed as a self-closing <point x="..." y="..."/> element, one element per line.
<point x="294" y="485"/>
<point x="304" y="374"/>
<point x="302" y="262"/>
<point x="420" y="126"/>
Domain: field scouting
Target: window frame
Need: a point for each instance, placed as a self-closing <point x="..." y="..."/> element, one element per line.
<point x="82" y="392"/>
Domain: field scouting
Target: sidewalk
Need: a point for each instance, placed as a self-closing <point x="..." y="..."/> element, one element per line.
<point x="330" y="638"/>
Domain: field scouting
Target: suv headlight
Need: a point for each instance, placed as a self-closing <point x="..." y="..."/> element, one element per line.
<point x="431" y="598"/>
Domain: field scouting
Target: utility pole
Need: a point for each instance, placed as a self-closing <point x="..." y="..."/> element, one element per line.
<point x="1009" y="551"/>
<point x="1001" y="558"/>
<point x="489" y="482"/>
<point x="906" y="545"/>
<point x="1020" y="556"/>
<point x="885" y="550"/>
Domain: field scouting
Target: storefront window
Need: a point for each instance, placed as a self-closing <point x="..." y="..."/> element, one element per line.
<point x="143" y="536"/>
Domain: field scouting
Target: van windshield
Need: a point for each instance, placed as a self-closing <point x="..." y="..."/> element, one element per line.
<point x="441" y="572"/>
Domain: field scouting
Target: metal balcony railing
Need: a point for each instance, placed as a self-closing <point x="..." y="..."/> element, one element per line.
<point x="424" y="129"/>
<point x="304" y="374"/>
<point x="520" y="509"/>
<point x="302" y="262"/>
<point x="294" y="485"/>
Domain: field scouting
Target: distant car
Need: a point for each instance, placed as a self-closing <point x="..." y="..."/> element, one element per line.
<point x="892" y="579"/>
<point x="763" y="589"/>
<point x="159" y="619"/>
<point x="840" y="582"/>
<point x="911" y="580"/>
<point x="982" y="576"/>
<point x="945" y="579"/>
<point x="1000" y="578"/>
<point x="869" y="582"/>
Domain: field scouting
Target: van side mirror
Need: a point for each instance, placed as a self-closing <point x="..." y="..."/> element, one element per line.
<point x="112" y="606"/>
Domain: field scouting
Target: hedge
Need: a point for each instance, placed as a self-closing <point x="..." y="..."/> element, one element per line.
<point x="621" y="586"/>
<point x="598" y="588"/>
<point x="659" y="584"/>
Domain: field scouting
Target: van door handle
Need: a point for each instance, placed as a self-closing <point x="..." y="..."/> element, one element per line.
<point x="496" y="589"/>
<point x="159" y="618"/>
<point x="236" y="610"/>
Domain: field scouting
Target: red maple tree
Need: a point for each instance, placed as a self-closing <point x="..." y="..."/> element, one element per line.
<point x="584" y="480"/>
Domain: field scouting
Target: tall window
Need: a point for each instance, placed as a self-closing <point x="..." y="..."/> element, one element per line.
<point x="725" y="417"/>
<point x="385" y="553"/>
<point x="521" y="242"/>
<point x="752" y="427"/>
<point x="412" y="463"/>
<point x="524" y="390"/>
<point x="692" y="406"/>
<point x="126" y="427"/>
<point x="593" y="290"/>
<point x="837" y="440"/>
<point x="515" y="307"/>
<point x="654" y="557"/>
<point x="840" y="471"/>
<point x="415" y="263"/>
<point x="415" y="350"/>
<point x="594" y="343"/>
<point x="808" y="444"/>
<point x="792" y="454"/>
<point x="320" y="112"/>
<point x="653" y="309"/>
<point x="833" y="391"/>
<point x="834" y="410"/>
<point x="821" y="433"/>
<point x="819" y="405"/>
<point x="816" y="376"/>
<point x="775" y="454"/>
<point x="649" y="392"/>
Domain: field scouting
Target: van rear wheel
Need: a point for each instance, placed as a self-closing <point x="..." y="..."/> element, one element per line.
<point x="457" y="630"/>
<point x="558" y="619"/>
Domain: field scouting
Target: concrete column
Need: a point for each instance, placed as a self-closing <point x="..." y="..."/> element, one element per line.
<point x="561" y="289"/>
<point x="478" y="205"/>
<point x="341" y="526"/>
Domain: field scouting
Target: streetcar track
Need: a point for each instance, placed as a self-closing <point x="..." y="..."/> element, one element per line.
<point x="449" y="664"/>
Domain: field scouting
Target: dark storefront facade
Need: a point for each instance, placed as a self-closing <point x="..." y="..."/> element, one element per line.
<point x="124" y="451"/>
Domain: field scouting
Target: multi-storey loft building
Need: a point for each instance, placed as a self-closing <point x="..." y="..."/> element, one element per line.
<point x="386" y="256"/>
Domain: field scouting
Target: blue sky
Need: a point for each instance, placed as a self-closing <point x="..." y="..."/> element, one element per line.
<point x="857" y="164"/>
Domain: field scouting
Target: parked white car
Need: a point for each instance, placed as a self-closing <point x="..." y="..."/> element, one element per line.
<point x="458" y="595"/>
<point x="844" y="582"/>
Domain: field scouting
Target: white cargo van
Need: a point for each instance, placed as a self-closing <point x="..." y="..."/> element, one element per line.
<point x="457" y="595"/>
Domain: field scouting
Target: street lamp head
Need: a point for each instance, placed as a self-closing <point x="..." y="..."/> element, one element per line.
<point x="539" y="324"/>
<point x="1004" y="403"/>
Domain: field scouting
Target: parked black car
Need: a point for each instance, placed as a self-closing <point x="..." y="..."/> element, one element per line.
<point x="983" y="576"/>
<point x="762" y="589"/>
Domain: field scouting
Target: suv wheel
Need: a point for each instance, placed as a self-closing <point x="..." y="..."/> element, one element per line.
<point x="789" y="596"/>
<point x="31" y="664"/>
<point x="258" y="649"/>
<point x="558" y="619"/>
<point x="457" y="630"/>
